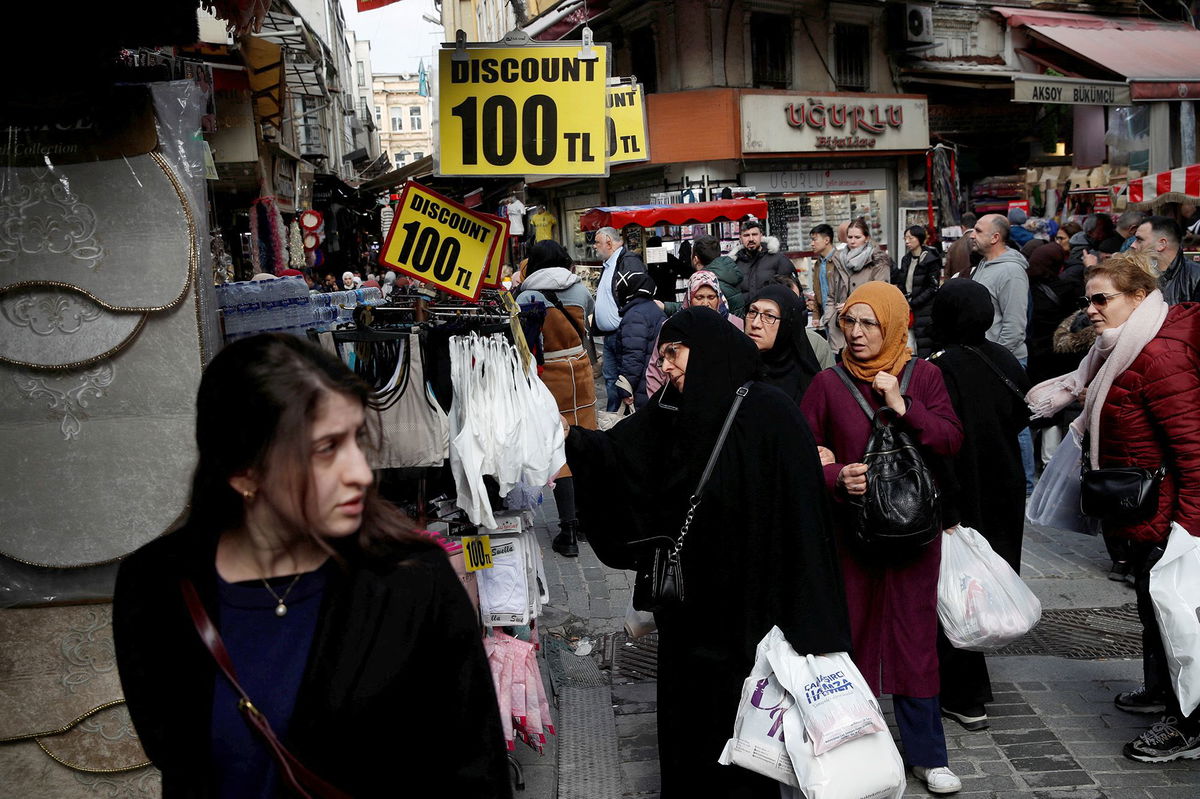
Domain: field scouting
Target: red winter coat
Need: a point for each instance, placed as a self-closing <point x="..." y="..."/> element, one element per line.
<point x="1151" y="417"/>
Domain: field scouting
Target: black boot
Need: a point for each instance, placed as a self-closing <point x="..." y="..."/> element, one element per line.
<point x="566" y="542"/>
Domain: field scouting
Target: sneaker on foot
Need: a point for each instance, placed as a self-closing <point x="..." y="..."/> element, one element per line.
<point x="1163" y="742"/>
<point x="1120" y="570"/>
<point x="1139" y="701"/>
<point x="938" y="780"/>
<point x="972" y="718"/>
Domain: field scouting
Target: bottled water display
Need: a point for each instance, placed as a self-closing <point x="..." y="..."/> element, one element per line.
<point x="258" y="306"/>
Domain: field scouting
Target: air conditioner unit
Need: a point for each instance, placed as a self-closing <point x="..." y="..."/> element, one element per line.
<point x="910" y="24"/>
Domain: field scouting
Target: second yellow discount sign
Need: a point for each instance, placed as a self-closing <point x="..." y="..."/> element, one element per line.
<point x="536" y="110"/>
<point x="440" y="242"/>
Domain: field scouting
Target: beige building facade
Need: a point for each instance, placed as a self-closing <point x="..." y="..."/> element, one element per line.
<point x="404" y="118"/>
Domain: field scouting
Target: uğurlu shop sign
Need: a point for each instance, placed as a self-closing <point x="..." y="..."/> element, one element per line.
<point x="778" y="122"/>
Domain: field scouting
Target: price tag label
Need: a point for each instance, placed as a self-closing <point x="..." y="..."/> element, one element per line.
<point x="628" y="131"/>
<point x="519" y="111"/>
<point x="477" y="552"/>
<point x="441" y="242"/>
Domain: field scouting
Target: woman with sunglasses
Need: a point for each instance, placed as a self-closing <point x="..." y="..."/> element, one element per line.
<point x="1140" y="387"/>
<point x="758" y="553"/>
<point x="892" y="601"/>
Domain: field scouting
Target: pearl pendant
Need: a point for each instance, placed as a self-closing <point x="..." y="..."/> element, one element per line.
<point x="281" y="610"/>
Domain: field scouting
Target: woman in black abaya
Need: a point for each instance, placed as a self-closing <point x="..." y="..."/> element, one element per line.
<point x="775" y="321"/>
<point x="988" y="489"/>
<point x="759" y="551"/>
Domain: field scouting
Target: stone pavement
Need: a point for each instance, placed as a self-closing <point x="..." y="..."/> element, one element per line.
<point x="1054" y="730"/>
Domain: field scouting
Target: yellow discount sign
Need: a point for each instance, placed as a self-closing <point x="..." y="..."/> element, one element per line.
<point x="628" y="131"/>
<point x="440" y="242"/>
<point x="535" y="110"/>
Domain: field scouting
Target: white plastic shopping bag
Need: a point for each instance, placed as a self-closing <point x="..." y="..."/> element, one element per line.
<point x="1055" y="499"/>
<point x="1175" y="591"/>
<point x="982" y="603"/>
<point x="832" y="698"/>
<point x="757" y="743"/>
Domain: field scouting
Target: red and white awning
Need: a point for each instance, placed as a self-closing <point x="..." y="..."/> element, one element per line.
<point x="1178" y="185"/>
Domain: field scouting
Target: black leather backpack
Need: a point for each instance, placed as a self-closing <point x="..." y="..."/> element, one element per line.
<point x="900" y="513"/>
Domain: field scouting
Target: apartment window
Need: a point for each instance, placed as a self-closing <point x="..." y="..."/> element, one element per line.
<point x="362" y="73"/>
<point x="378" y="114"/>
<point x="400" y="159"/>
<point x="852" y="56"/>
<point x="397" y="115"/>
<point x="771" y="47"/>
<point x="418" y="155"/>
<point x="643" y="55"/>
<point x="414" y="118"/>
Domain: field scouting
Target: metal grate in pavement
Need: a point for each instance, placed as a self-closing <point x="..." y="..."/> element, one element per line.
<point x="630" y="659"/>
<point x="1083" y="634"/>
<point x="568" y="669"/>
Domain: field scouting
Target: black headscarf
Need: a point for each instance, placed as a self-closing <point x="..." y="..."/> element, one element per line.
<point x="790" y="364"/>
<point x="962" y="313"/>
<point x="639" y="284"/>
<point x="720" y="360"/>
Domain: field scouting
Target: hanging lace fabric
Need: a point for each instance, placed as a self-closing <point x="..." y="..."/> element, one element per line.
<point x="503" y="422"/>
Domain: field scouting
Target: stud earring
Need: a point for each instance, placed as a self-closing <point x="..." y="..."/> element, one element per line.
<point x="248" y="494"/>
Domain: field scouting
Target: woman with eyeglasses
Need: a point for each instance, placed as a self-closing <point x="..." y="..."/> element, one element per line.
<point x="861" y="262"/>
<point x="776" y="322"/>
<point x="892" y="601"/>
<point x="1140" y="387"/>
<point x="759" y="551"/>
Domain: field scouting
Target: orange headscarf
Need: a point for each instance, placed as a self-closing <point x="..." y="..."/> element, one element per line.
<point x="892" y="311"/>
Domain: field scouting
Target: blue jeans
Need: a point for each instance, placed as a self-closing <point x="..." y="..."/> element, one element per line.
<point x="611" y="372"/>
<point x="1025" y="439"/>
<point x="920" y="725"/>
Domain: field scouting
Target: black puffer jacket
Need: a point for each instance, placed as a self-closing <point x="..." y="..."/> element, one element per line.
<point x="926" y="278"/>
<point x="641" y="319"/>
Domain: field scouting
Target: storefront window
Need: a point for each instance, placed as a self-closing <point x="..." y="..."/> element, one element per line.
<point x="1128" y="137"/>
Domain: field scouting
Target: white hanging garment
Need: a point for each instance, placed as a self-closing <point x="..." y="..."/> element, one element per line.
<point x="466" y="455"/>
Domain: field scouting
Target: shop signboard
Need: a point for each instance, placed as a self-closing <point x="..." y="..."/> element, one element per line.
<point x="526" y="110"/>
<point x="786" y="122"/>
<point x="1069" y="91"/>
<point x="495" y="270"/>
<point x="628" y="130"/>
<point x="803" y="181"/>
<point x="441" y="242"/>
<point x="1103" y="204"/>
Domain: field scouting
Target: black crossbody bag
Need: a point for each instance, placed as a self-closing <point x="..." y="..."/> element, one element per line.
<point x="1119" y="494"/>
<point x="659" y="580"/>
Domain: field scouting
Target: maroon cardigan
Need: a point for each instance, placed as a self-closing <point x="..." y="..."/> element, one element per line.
<point x="1151" y="417"/>
<point x="893" y="606"/>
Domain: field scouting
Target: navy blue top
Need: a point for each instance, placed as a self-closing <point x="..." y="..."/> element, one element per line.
<point x="269" y="654"/>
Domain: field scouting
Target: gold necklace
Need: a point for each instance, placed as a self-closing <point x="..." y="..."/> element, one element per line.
<point x="281" y="609"/>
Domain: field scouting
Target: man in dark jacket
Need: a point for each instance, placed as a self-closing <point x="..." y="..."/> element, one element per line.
<point x="1161" y="238"/>
<point x="635" y="338"/>
<point x="619" y="266"/>
<point x="759" y="266"/>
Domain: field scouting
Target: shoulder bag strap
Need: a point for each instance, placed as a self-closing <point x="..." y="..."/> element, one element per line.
<point x="1011" y="385"/>
<point x="291" y="770"/>
<point x="854" y="392"/>
<point x="906" y="376"/>
<point x="585" y="340"/>
<point x="742" y="391"/>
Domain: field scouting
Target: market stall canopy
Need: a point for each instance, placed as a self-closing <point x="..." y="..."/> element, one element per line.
<point x="1176" y="186"/>
<point x="1154" y="56"/>
<point x="421" y="168"/>
<point x="619" y="216"/>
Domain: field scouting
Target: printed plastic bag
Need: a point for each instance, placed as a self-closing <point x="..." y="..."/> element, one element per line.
<point x="1055" y="499"/>
<point x="757" y="742"/>
<point x="1175" y="590"/>
<point x="832" y="697"/>
<point x="639" y="622"/>
<point x="982" y="603"/>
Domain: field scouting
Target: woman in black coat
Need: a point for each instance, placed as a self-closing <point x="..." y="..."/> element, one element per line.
<point x="918" y="277"/>
<point x="346" y="629"/>
<point x="987" y="387"/>
<point x="759" y="551"/>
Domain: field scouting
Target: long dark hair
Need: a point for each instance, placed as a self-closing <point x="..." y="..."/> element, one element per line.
<point x="255" y="409"/>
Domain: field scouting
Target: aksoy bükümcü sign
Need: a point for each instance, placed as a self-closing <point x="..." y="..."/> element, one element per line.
<point x="526" y="110"/>
<point x="440" y="242"/>
<point x="628" y="130"/>
<point x="782" y="122"/>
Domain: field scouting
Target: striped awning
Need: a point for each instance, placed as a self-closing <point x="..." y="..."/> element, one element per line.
<point x="1178" y="185"/>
